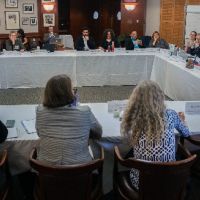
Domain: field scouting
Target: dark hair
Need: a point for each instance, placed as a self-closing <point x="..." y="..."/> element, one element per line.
<point x="21" y="32"/>
<point x="194" y="33"/>
<point x="58" y="92"/>
<point x="85" y="28"/>
<point x="106" y="32"/>
<point x="154" y="33"/>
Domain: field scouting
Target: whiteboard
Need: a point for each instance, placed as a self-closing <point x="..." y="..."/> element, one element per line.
<point x="192" y="19"/>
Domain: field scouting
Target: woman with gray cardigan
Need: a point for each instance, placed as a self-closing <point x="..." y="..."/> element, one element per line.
<point x="64" y="129"/>
<point x="158" y="42"/>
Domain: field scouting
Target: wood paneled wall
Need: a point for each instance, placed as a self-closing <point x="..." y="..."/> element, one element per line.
<point x="172" y="20"/>
<point x="134" y="20"/>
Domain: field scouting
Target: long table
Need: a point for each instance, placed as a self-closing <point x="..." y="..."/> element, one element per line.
<point x="19" y="148"/>
<point x="96" y="68"/>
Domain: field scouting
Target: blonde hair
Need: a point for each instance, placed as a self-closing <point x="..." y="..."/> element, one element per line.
<point x="144" y="113"/>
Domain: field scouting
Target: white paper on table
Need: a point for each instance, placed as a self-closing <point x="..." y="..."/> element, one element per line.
<point x="29" y="126"/>
<point x="192" y="108"/>
<point x="12" y="133"/>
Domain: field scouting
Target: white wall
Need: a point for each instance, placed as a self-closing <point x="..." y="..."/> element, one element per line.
<point x="27" y="28"/>
<point x="152" y="16"/>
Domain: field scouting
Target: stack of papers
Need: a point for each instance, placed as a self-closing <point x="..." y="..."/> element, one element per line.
<point x="12" y="133"/>
<point x="29" y="126"/>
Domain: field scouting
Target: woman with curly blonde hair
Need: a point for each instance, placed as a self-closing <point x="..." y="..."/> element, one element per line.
<point x="149" y="126"/>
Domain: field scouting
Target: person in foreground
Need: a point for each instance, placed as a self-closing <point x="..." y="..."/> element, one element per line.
<point x="14" y="44"/>
<point x="149" y="125"/>
<point x="63" y="128"/>
<point x="3" y="132"/>
<point x="85" y="42"/>
<point x="158" y="42"/>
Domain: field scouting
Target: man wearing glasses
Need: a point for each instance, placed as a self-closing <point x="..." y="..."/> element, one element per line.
<point x="85" y="42"/>
<point x="13" y="43"/>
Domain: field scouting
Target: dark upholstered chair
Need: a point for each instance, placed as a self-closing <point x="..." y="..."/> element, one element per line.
<point x="157" y="181"/>
<point x="73" y="182"/>
<point x="4" y="182"/>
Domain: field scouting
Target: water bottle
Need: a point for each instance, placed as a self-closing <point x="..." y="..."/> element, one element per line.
<point x="76" y="97"/>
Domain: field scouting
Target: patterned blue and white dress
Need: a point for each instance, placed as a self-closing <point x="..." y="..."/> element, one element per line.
<point x="165" y="151"/>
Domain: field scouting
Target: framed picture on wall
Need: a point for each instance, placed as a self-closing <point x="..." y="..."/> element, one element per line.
<point x="33" y="21"/>
<point x="11" y="3"/>
<point x="49" y="20"/>
<point x="25" y="21"/>
<point x="28" y="8"/>
<point x="47" y="1"/>
<point x="12" y="20"/>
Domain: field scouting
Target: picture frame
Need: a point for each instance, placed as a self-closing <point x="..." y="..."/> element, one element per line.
<point x="48" y="20"/>
<point x="11" y="3"/>
<point x="12" y="20"/>
<point x="28" y="8"/>
<point x="33" y="21"/>
<point x="48" y="1"/>
<point x="25" y="20"/>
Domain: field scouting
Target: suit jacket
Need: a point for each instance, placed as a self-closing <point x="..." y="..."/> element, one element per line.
<point x="3" y="132"/>
<point x="80" y="43"/>
<point x="16" y="47"/>
<point x="105" y="43"/>
<point x="129" y="44"/>
<point x="159" y="44"/>
<point x="47" y="39"/>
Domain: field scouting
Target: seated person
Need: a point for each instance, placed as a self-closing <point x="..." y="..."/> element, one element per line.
<point x="190" y="43"/>
<point x="196" y="49"/>
<point x="85" y="42"/>
<point x="157" y="42"/>
<point x="109" y="40"/>
<point x="23" y="38"/>
<point x="63" y="128"/>
<point x="14" y="44"/>
<point x="132" y="41"/>
<point x="3" y="132"/>
<point x="50" y="36"/>
<point x="149" y="126"/>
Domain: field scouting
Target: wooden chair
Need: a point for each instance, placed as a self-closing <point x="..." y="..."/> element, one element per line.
<point x="77" y="182"/>
<point x="157" y="180"/>
<point x="4" y="182"/>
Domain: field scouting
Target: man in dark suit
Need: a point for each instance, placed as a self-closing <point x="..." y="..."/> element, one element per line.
<point x="132" y="42"/>
<point x="14" y="44"/>
<point x="49" y="38"/>
<point x="85" y="42"/>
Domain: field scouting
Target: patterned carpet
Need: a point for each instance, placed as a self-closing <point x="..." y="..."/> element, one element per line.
<point x="86" y="94"/>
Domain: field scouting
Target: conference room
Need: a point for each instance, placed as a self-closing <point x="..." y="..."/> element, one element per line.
<point x="99" y="99"/>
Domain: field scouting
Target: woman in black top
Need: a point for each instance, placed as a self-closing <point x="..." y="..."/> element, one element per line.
<point x="3" y="132"/>
<point x="22" y="37"/>
<point x="109" y="40"/>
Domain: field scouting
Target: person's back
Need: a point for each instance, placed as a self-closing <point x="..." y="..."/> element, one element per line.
<point x="150" y="126"/>
<point x="3" y="132"/>
<point x="64" y="134"/>
<point x="63" y="128"/>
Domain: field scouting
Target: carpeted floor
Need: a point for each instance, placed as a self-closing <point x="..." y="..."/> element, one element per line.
<point x="87" y="94"/>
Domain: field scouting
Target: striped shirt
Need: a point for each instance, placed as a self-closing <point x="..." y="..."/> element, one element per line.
<point x="64" y="134"/>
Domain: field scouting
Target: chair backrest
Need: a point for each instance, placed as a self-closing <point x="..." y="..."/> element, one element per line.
<point x="3" y="175"/>
<point x="67" y="182"/>
<point x="146" y="40"/>
<point x="67" y="41"/>
<point x="160" y="180"/>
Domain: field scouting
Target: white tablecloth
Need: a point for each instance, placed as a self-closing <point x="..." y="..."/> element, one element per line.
<point x="98" y="68"/>
<point x="19" y="148"/>
<point x="177" y="82"/>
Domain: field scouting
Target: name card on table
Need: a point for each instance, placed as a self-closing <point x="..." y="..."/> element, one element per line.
<point x="192" y="108"/>
<point x="29" y="126"/>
